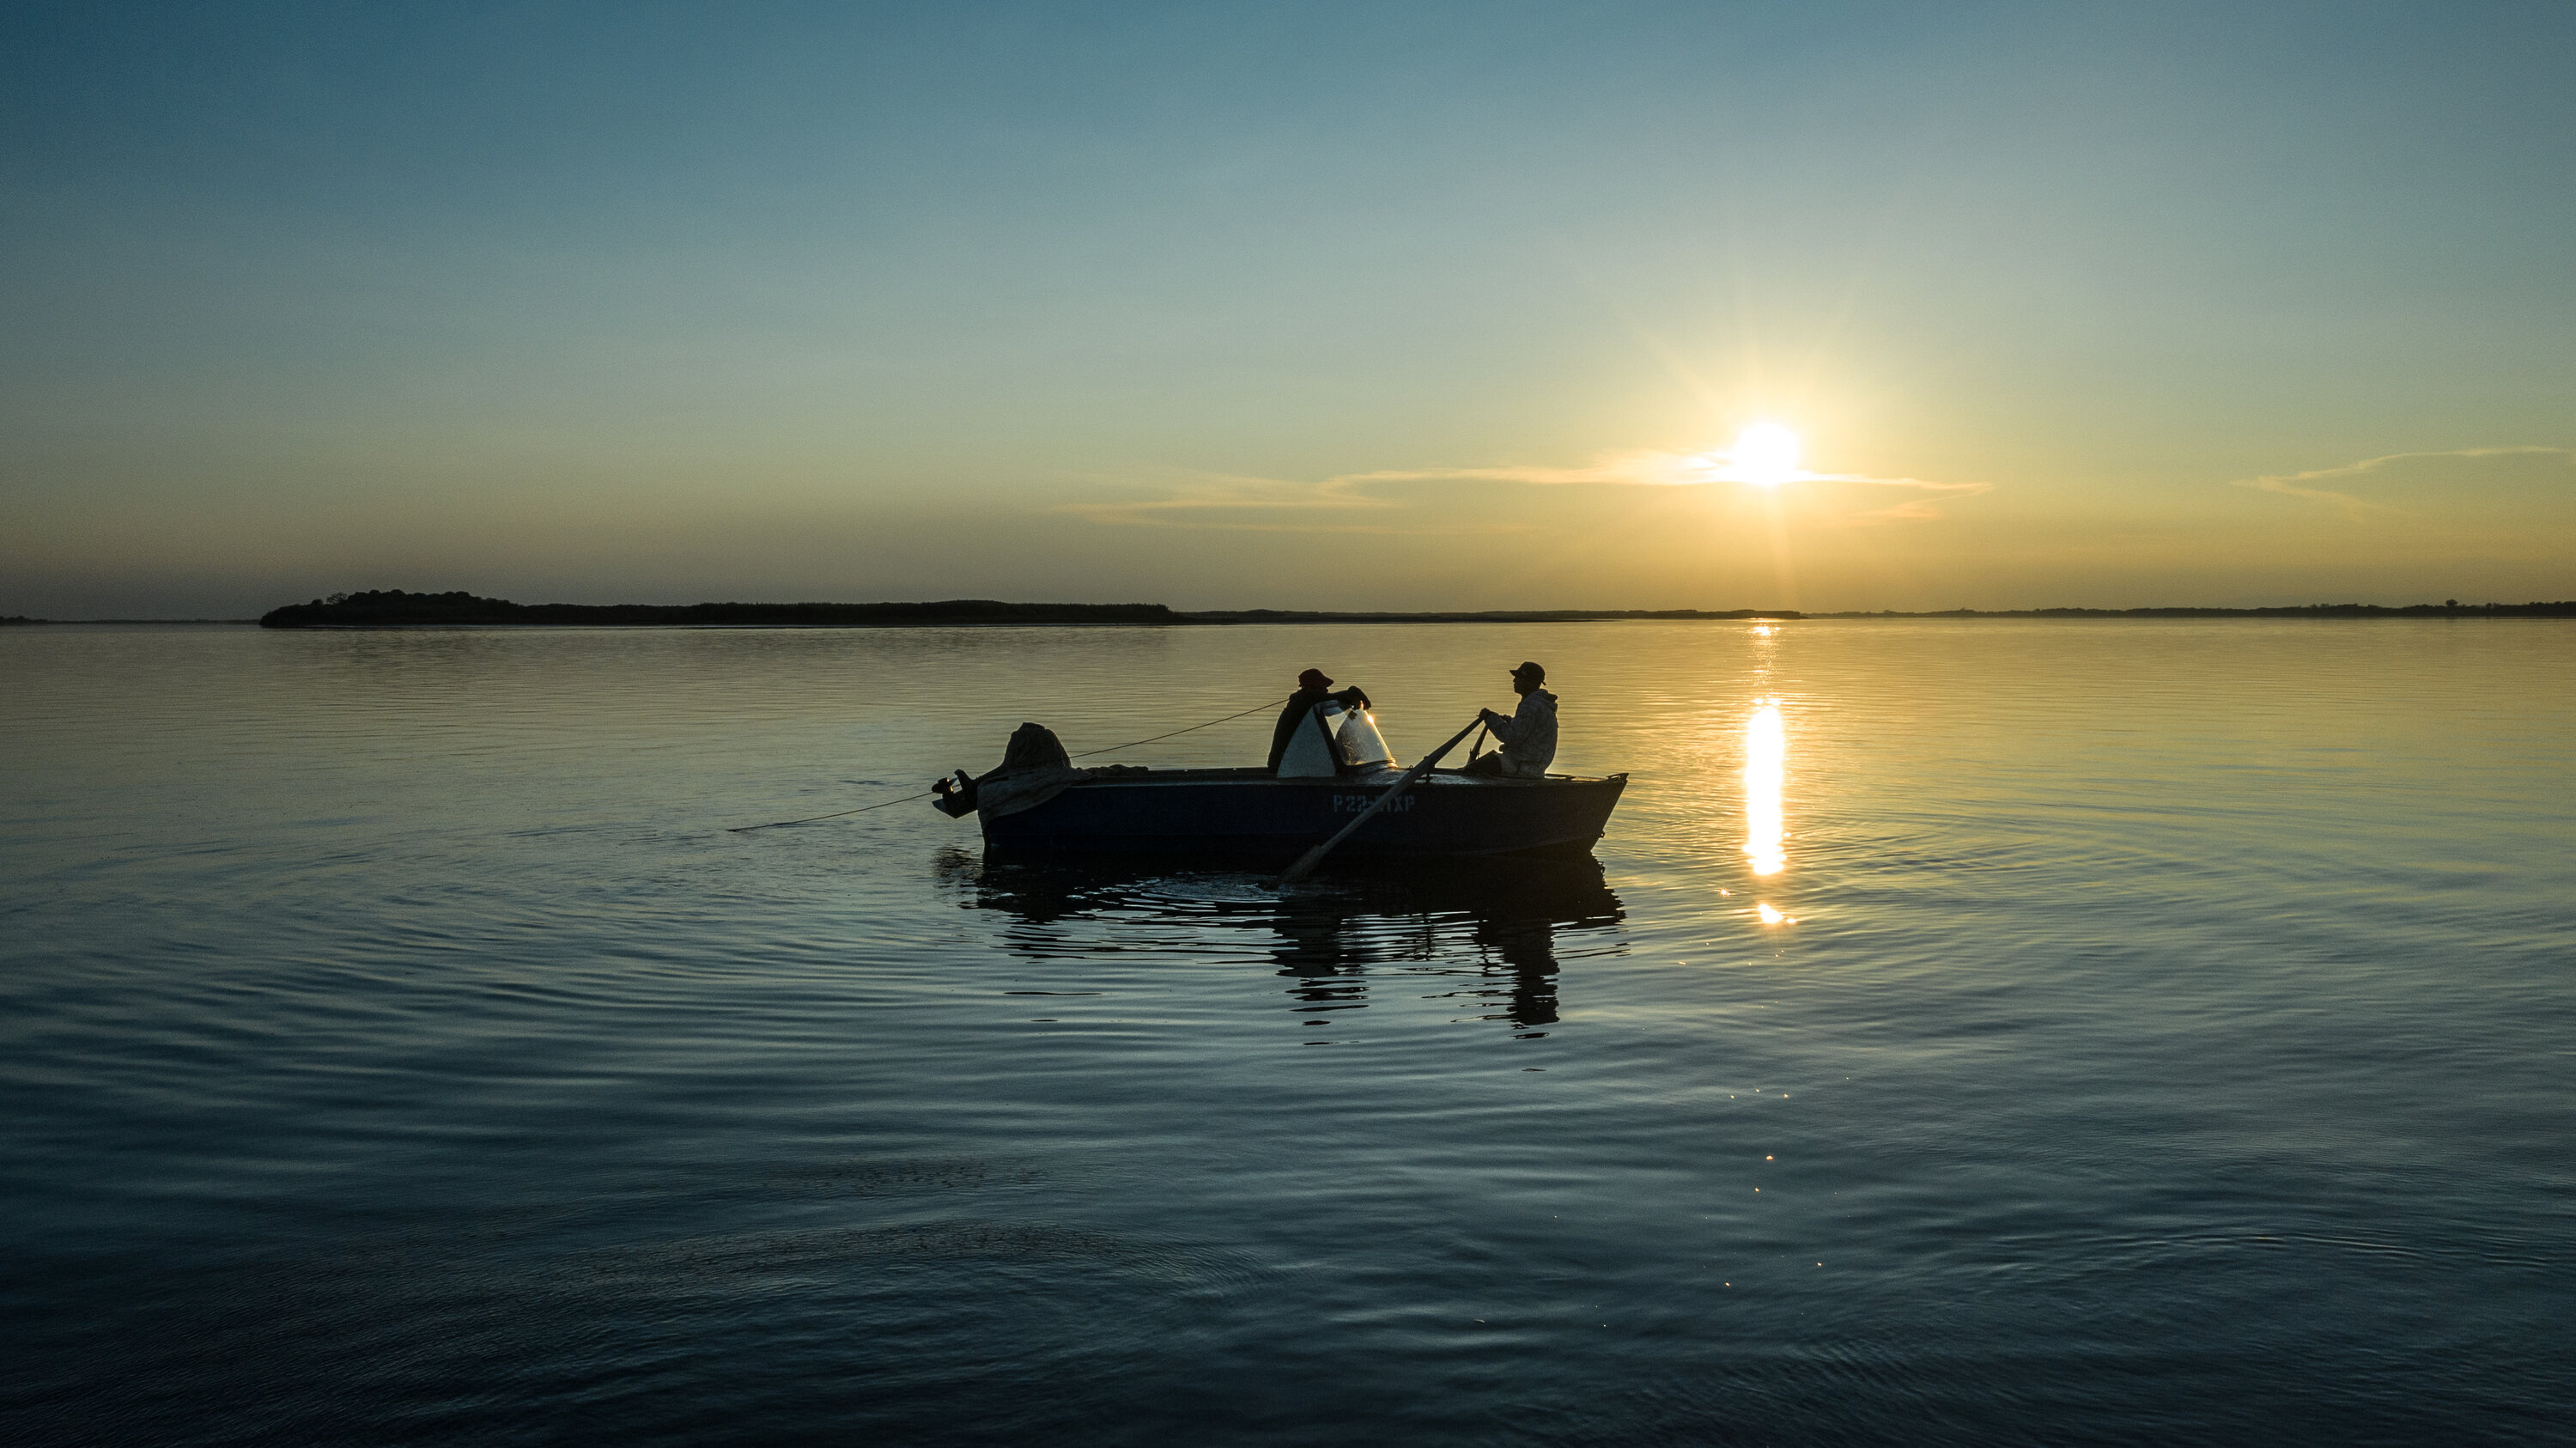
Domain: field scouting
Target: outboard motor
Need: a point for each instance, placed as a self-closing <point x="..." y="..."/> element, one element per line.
<point x="1032" y="746"/>
<point x="956" y="796"/>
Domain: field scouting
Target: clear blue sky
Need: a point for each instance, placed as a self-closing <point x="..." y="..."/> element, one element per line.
<point x="1281" y="305"/>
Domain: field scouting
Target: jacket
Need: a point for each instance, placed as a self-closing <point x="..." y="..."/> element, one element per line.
<point x="1529" y="736"/>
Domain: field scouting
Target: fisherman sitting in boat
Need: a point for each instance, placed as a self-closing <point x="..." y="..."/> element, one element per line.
<point x="1312" y="689"/>
<point x="1528" y="737"/>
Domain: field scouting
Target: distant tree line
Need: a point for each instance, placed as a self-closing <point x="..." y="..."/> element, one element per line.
<point x="1540" y="615"/>
<point x="2448" y="608"/>
<point x="392" y="607"/>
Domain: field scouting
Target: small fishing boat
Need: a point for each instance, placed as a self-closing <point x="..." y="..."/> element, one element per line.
<point x="1336" y="768"/>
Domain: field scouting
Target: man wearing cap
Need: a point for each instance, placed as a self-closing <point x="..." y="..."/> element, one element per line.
<point x="1312" y="689"/>
<point x="1528" y="737"/>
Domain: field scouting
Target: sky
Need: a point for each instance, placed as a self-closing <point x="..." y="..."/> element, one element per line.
<point x="1380" y="305"/>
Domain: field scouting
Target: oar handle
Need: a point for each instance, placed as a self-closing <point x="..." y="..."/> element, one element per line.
<point x="1307" y="862"/>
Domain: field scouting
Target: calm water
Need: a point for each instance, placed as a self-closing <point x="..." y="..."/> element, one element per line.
<point x="2168" y="1035"/>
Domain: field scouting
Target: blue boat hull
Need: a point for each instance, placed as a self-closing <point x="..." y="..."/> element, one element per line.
<point x="1247" y="814"/>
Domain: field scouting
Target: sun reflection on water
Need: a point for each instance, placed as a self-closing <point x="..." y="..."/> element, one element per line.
<point x="1766" y="756"/>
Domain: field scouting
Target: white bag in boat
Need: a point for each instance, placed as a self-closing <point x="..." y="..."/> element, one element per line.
<point x="1335" y="740"/>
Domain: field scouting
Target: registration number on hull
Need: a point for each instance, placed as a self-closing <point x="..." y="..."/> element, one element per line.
<point x="1354" y="803"/>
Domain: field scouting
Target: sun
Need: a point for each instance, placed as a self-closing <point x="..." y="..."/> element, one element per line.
<point x="1765" y="455"/>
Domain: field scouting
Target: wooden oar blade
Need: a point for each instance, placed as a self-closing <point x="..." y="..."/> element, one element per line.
<point x="1306" y="863"/>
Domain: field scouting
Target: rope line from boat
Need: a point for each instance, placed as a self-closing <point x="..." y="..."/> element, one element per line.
<point x="1159" y="738"/>
<point x="925" y="794"/>
<point x="809" y="819"/>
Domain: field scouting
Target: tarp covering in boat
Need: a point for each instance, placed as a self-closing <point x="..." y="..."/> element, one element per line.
<point x="1009" y="794"/>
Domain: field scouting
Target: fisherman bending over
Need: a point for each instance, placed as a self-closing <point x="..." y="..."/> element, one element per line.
<point x="1312" y="689"/>
<point x="1528" y="737"/>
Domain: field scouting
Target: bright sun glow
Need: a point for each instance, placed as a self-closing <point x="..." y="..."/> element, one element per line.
<point x="1765" y="455"/>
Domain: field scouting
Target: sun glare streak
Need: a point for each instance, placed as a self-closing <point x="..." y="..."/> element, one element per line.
<point x="1766" y="768"/>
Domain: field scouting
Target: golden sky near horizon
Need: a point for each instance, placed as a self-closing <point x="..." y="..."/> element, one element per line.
<point x="1400" y="307"/>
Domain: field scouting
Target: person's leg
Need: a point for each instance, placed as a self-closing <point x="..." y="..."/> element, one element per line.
<point x="1489" y="765"/>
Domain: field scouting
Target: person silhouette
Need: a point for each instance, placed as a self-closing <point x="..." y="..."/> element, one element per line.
<point x="1313" y="688"/>
<point x="1528" y="737"/>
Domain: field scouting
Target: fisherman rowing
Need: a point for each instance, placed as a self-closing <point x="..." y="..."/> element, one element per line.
<point x="1528" y="737"/>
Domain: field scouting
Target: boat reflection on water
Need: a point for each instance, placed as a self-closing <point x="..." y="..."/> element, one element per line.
<point x="1488" y="936"/>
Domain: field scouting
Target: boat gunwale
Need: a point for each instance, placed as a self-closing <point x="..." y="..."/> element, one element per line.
<point x="1255" y="775"/>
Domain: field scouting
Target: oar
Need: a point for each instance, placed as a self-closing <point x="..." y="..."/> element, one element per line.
<point x="1307" y="862"/>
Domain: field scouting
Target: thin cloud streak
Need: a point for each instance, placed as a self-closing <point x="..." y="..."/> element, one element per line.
<point x="1220" y="493"/>
<point x="2295" y="485"/>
